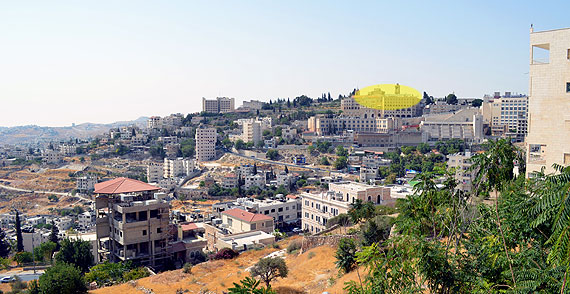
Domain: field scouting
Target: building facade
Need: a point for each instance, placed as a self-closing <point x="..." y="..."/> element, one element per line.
<point x="218" y="105"/>
<point x="205" y="144"/>
<point x="317" y="209"/>
<point x="549" y="100"/>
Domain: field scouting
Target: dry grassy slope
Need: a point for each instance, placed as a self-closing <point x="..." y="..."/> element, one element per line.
<point x="308" y="273"/>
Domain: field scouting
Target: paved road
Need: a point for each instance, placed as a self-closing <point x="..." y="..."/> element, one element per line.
<point x="284" y="163"/>
<point x="25" y="276"/>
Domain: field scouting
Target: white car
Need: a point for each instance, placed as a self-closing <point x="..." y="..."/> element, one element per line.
<point x="7" y="279"/>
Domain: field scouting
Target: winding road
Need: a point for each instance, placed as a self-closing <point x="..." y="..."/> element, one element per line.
<point x="284" y="163"/>
<point x="43" y="192"/>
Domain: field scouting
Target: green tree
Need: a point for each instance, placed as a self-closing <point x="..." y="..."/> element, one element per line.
<point x="451" y="99"/>
<point x="346" y="255"/>
<point x="239" y="144"/>
<point x="45" y="251"/>
<point x="340" y="151"/>
<point x="341" y="162"/>
<point x="272" y="154"/>
<point x="477" y="102"/>
<point x="270" y="268"/>
<point x="19" y="239"/>
<point x="54" y="235"/>
<point x="62" y="278"/>
<point x="75" y="252"/>
<point x="249" y="286"/>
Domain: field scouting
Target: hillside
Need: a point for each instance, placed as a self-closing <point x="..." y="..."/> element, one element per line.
<point x="311" y="272"/>
<point x="36" y="134"/>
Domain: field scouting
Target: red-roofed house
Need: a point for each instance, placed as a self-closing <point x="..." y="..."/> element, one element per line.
<point x="240" y="221"/>
<point x="123" y="185"/>
<point x="131" y="224"/>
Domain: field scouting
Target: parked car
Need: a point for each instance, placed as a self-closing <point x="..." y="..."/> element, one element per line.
<point x="7" y="279"/>
<point x="297" y="230"/>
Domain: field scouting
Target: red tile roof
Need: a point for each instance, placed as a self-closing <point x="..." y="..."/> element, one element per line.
<point x="123" y="185"/>
<point x="246" y="215"/>
<point x="291" y="196"/>
<point x="189" y="227"/>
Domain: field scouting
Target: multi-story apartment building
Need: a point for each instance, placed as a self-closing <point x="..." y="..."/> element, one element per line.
<point x="51" y="156"/>
<point x="241" y="221"/>
<point x="154" y="172"/>
<point x="507" y="115"/>
<point x="253" y="181"/>
<point x="67" y="149"/>
<point x="205" y="144"/>
<point x="317" y="209"/>
<point x="549" y="100"/>
<point x="178" y="167"/>
<point x="251" y="132"/>
<point x="85" y="184"/>
<point x="230" y="181"/>
<point x="461" y="162"/>
<point x="131" y="225"/>
<point x="154" y="122"/>
<point x="86" y="220"/>
<point x="218" y="105"/>
<point x="286" y="210"/>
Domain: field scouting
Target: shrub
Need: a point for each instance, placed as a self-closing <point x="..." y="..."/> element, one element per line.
<point x="293" y="246"/>
<point x="225" y="253"/>
<point x="23" y="257"/>
<point x="311" y="255"/>
<point x="187" y="268"/>
<point x="346" y="255"/>
<point x="135" y="274"/>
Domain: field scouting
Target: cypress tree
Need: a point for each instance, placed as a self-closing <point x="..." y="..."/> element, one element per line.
<point x="19" y="238"/>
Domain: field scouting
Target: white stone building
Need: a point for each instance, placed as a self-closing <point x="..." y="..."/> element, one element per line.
<point x="205" y="144"/>
<point x="549" y="100"/>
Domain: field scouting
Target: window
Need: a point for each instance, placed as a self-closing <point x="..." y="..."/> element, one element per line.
<point x="230" y="221"/>
<point x="540" y="54"/>
<point x="568" y="54"/>
<point x="280" y="209"/>
<point x="158" y="230"/>
<point x="566" y="158"/>
<point x="567" y="87"/>
<point x="253" y="226"/>
<point x="144" y="232"/>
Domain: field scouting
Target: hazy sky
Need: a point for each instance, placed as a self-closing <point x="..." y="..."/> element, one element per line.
<point x="64" y="62"/>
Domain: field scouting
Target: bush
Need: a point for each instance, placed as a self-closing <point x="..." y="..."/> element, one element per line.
<point x="293" y="246"/>
<point x="23" y="257"/>
<point x="135" y="274"/>
<point x="225" y="253"/>
<point x="62" y="278"/>
<point x="311" y="255"/>
<point x="187" y="268"/>
<point x="346" y="255"/>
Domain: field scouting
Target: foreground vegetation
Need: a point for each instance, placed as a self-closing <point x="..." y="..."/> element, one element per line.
<point x="510" y="235"/>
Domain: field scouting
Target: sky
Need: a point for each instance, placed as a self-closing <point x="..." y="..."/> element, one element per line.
<point x="64" y="62"/>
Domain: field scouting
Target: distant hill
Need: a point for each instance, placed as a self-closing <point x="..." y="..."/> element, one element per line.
<point x="32" y="134"/>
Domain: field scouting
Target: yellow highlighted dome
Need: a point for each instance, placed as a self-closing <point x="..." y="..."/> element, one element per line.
<point x="388" y="97"/>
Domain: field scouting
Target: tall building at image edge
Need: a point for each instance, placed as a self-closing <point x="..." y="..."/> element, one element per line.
<point x="548" y="139"/>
